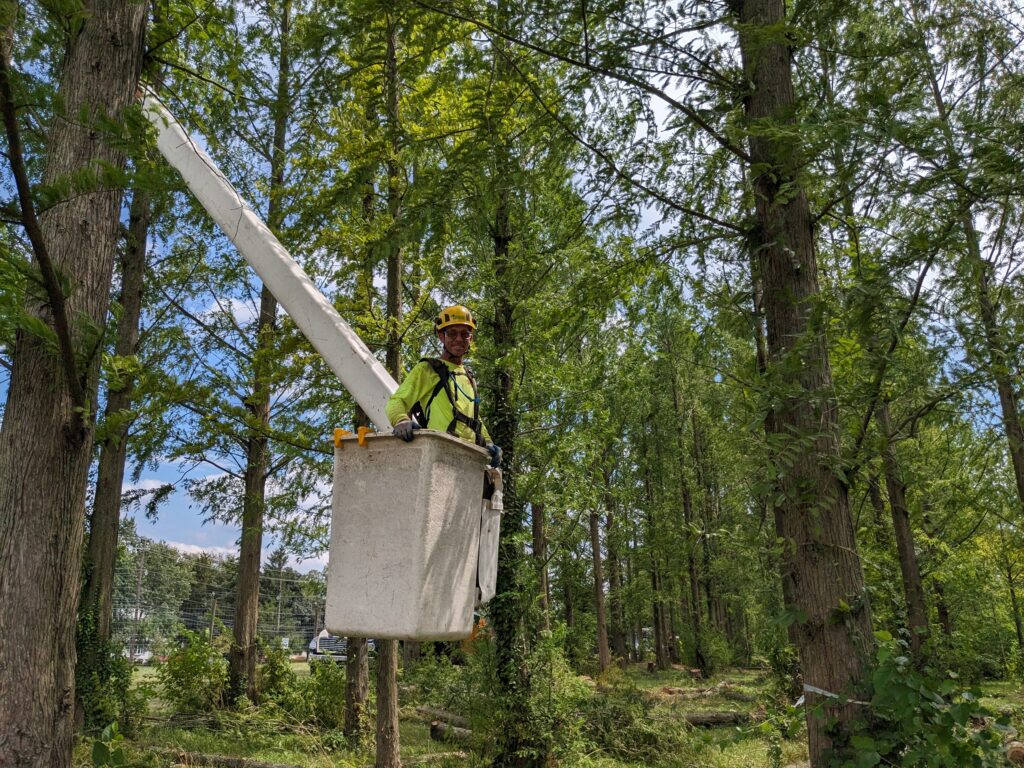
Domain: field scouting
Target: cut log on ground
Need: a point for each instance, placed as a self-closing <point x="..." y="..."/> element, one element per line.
<point x="449" y="733"/>
<point x="711" y="719"/>
<point x="1015" y="752"/>
<point x="433" y="713"/>
<point x="724" y="689"/>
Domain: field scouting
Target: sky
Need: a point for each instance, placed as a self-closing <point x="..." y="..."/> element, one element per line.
<point x="182" y="527"/>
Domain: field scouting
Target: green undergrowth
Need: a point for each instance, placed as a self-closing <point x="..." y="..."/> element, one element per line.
<point x="623" y="718"/>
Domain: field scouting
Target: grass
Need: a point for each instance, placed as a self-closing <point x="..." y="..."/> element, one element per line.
<point x="257" y="736"/>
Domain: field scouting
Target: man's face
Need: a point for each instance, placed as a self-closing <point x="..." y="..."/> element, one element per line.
<point x="456" y="338"/>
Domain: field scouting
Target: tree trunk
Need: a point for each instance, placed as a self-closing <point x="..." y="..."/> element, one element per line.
<point x="243" y="655"/>
<point x="1001" y="366"/>
<point x="616" y="629"/>
<point x="45" y="443"/>
<point x="518" y="746"/>
<point x="913" y="589"/>
<point x="1011" y="583"/>
<point x="604" y="657"/>
<point x="540" y="560"/>
<point x="106" y="510"/>
<point x="694" y="604"/>
<point x="388" y="741"/>
<point x="813" y="515"/>
<point x="658" y="609"/>
<point x="357" y="686"/>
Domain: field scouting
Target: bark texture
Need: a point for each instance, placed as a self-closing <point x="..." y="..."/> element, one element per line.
<point x="913" y="588"/>
<point x="822" y="578"/>
<point x="357" y="686"/>
<point x="604" y="657"/>
<point x="244" y="652"/>
<point x="388" y="740"/>
<point x="106" y="511"/>
<point x="387" y="755"/>
<point x="44" y="444"/>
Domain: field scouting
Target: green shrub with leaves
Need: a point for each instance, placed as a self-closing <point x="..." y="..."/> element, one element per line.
<point x="194" y="678"/>
<point x="275" y="680"/>
<point x="443" y="684"/>
<point x="108" y="751"/>
<point x="621" y="722"/>
<point x="103" y="682"/>
<point x="918" y="719"/>
<point x="322" y="696"/>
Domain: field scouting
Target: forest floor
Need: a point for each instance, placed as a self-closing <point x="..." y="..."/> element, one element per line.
<point x="667" y="699"/>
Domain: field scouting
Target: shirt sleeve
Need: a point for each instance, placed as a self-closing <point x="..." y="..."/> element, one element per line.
<point x="407" y="395"/>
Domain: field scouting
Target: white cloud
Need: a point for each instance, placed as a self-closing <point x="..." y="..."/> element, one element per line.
<point x="195" y="549"/>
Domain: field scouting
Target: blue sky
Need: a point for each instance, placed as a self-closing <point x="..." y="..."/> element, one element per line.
<point x="182" y="526"/>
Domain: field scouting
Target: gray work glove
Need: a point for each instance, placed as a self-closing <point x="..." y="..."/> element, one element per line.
<point x="495" y="451"/>
<point x="404" y="429"/>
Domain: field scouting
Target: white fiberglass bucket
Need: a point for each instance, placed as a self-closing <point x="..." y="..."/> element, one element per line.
<point x="405" y="537"/>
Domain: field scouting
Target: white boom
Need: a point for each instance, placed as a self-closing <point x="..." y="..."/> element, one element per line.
<point x="362" y="375"/>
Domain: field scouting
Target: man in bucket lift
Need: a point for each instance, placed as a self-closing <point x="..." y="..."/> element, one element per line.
<point x="441" y="393"/>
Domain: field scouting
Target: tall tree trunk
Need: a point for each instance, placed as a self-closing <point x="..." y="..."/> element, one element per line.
<point x="604" y="658"/>
<point x="1011" y="582"/>
<point x="46" y="437"/>
<point x="106" y="510"/>
<point x="357" y="686"/>
<point x="913" y="589"/>
<point x="518" y="746"/>
<point x="813" y="517"/>
<point x="1001" y="365"/>
<point x="540" y="560"/>
<point x="617" y="625"/>
<point x="244" y="652"/>
<point x="388" y="741"/>
<point x="658" y="617"/>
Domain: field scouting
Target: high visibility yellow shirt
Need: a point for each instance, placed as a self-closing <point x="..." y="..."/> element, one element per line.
<point x="417" y="387"/>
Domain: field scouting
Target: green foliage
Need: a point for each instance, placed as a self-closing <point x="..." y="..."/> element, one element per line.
<point x="323" y="695"/>
<point x="918" y="719"/>
<point x="718" y="654"/>
<point x="103" y="681"/>
<point x="276" y="681"/>
<point x="621" y="722"/>
<point x="194" y="678"/>
<point x="108" y="751"/>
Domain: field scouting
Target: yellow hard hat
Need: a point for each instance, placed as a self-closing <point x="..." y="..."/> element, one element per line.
<point x="454" y="315"/>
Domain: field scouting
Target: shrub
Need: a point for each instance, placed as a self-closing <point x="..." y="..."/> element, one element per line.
<point x="194" y="678"/>
<point x="620" y="722"/>
<point x="103" y="682"/>
<point x="918" y="719"/>
<point x="275" y="680"/>
<point x="324" y="695"/>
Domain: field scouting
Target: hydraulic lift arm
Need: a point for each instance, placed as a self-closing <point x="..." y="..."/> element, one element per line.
<point x="362" y="375"/>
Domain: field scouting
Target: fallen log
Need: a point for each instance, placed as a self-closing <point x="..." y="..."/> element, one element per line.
<point x="725" y="689"/>
<point x="433" y="713"/>
<point x="1015" y="752"/>
<point x="711" y="719"/>
<point x="449" y="733"/>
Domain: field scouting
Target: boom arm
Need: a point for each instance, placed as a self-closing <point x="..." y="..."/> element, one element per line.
<point x="362" y="375"/>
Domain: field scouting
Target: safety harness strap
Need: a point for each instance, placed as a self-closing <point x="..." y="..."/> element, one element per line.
<point x="422" y="412"/>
